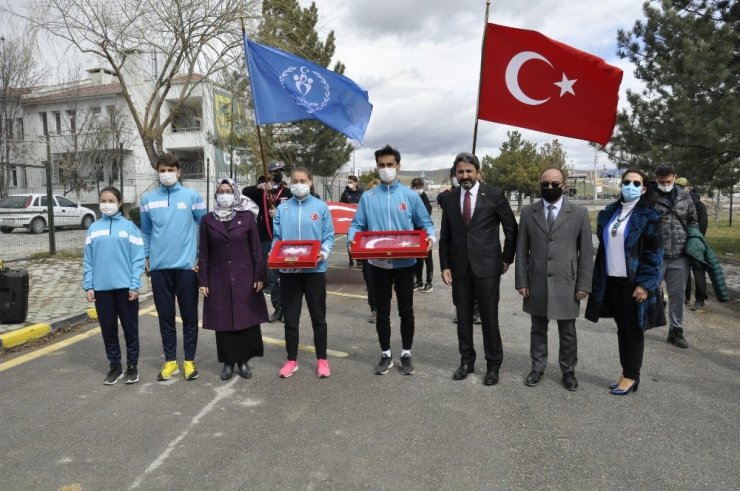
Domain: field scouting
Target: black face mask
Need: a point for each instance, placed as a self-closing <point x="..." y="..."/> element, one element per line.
<point x="277" y="177"/>
<point x="551" y="195"/>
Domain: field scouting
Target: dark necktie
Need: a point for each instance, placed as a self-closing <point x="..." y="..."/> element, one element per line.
<point x="550" y="216"/>
<point x="467" y="215"/>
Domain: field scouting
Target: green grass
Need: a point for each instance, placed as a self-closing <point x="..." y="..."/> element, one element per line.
<point x="724" y="239"/>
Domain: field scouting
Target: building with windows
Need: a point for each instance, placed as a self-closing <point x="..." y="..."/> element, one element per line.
<point x="87" y="131"/>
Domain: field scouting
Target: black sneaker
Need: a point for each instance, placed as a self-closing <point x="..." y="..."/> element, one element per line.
<point x="276" y="316"/>
<point x="427" y="288"/>
<point x="406" y="367"/>
<point x="675" y="337"/>
<point x="383" y="365"/>
<point x="698" y="305"/>
<point x="114" y="374"/>
<point x="373" y="317"/>
<point x="132" y="375"/>
<point x="418" y="286"/>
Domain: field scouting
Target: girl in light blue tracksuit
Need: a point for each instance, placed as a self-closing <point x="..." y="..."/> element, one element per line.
<point x="113" y="265"/>
<point x="304" y="217"/>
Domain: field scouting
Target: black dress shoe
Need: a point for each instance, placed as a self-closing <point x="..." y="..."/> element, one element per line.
<point x="227" y="372"/>
<point x="533" y="378"/>
<point x="276" y="316"/>
<point x="491" y="377"/>
<point x="244" y="370"/>
<point x="570" y="382"/>
<point x="463" y="370"/>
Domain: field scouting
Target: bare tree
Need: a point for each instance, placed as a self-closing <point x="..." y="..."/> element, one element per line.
<point x="161" y="51"/>
<point x="19" y="72"/>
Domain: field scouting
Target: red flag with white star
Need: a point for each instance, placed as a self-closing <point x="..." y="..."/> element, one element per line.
<point x="535" y="82"/>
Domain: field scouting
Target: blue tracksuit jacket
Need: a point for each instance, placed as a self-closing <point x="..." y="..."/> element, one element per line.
<point x="308" y="219"/>
<point x="114" y="255"/>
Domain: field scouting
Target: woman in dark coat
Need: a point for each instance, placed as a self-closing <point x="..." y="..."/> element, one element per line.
<point x="627" y="273"/>
<point x="231" y="277"/>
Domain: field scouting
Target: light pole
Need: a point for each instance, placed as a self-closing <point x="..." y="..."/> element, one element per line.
<point x="3" y="110"/>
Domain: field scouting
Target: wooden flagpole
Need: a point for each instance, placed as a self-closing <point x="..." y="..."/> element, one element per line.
<point x="480" y="75"/>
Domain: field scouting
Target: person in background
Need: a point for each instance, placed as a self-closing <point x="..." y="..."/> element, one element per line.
<point x="390" y="207"/>
<point x="678" y="215"/>
<point x="554" y="263"/>
<point x="304" y="217"/>
<point x="231" y="277"/>
<point x="627" y="275"/>
<point x="472" y="261"/>
<point x="351" y="194"/>
<point x="700" y="274"/>
<point x="453" y="184"/>
<point x="113" y="263"/>
<point x="268" y="196"/>
<point x="170" y="216"/>
<point x="417" y="184"/>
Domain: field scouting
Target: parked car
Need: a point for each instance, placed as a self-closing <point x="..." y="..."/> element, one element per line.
<point x="30" y="212"/>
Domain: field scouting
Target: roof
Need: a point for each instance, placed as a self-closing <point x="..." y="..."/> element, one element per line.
<point x="73" y="93"/>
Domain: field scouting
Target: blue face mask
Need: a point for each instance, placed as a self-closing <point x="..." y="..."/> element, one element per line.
<point x="631" y="193"/>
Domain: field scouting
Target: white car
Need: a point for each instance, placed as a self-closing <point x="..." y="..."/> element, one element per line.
<point x="29" y="211"/>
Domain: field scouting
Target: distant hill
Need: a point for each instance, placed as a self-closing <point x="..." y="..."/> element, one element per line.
<point x="438" y="176"/>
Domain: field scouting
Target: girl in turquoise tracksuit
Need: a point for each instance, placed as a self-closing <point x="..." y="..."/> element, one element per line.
<point x="113" y="265"/>
<point x="304" y="217"/>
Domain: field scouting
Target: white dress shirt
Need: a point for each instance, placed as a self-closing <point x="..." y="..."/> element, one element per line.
<point x="616" y="264"/>
<point x="558" y="205"/>
<point x="473" y="197"/>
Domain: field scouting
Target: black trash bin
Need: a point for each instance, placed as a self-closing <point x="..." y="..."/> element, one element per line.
<point x="13" y="296"/>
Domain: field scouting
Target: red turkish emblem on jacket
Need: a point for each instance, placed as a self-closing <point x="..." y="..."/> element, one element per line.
<point x="314" y="216"/>
<point x="402" y="206"/>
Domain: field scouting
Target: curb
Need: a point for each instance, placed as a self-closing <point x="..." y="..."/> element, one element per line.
<point x="35" y="331"/>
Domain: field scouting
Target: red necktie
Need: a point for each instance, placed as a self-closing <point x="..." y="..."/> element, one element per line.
<point x="467" y="215"/>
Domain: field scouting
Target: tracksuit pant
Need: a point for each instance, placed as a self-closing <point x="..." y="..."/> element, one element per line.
<point x="402" y="281"/>
<point x="168" y="284"/>
<point x="272" y="282"/>
<point x="113" y="305"/>
<point x="295" y="287"/>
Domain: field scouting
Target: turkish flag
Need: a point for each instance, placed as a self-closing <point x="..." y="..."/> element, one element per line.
<point x="342" y="215"/>
<point x="535" y="82"/>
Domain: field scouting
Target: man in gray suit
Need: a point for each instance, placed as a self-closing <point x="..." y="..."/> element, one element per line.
<point x="554" y="264"/>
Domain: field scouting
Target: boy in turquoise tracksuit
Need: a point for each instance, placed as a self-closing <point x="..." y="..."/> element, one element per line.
<point x="170" y="216"/>
<point x="304" y="217"/>
<point x="113" y="263"/>
<point x="388" y="207"/>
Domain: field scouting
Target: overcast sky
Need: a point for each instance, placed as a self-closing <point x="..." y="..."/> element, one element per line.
<point x="419" y="60"/>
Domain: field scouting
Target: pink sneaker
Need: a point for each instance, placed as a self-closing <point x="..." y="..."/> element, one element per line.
<point x="322" y="368"/>
<point x="288" y="369"/>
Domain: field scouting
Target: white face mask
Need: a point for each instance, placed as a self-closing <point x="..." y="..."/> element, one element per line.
<point x="225" y="200"/>
<point x="455" y="182"/>
<point x="168" y="178"/>
<point x="665" y="189"/>
<point x="418" y="191"/>
<point x="108" y="209"/>
<point x="299" y="190"/>
<point x="387" y="174"/>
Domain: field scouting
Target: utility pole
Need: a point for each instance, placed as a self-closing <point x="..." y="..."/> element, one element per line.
<point x="596" y="174"/>
<point x="4" y="151"/>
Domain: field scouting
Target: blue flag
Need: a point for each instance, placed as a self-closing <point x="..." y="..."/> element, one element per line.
<point x="286" y="88"/>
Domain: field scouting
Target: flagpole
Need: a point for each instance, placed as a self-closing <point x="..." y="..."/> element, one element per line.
<point x="480" y="75"/>
<point x="263" y="156"/>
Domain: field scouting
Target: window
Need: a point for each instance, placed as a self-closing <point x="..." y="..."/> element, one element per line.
<point x="62" y="201"/>
<point x="17" y="202"/>
<point x="44" y="124"/>
<point x="57" y="122"/>
<point x="95" y="112"/>
<point x="18" y="129"/>
<point x="18" y="176"/>
<point x="43" y="200"/>
<point x="72" y="115"/>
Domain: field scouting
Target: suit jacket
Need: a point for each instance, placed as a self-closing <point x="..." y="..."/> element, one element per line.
<point x="476" y="248"/>
<point x="556" y="263"/>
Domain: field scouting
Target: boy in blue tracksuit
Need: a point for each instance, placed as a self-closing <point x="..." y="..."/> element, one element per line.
<point x="170" y="216"/>
<point x="113" y="263"/>
<point x="304" y="217"/>
<point x="388" y="207"/>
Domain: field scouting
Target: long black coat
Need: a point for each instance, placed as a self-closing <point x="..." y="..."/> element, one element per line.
<point x="477" y="246"/>
<point x="229" y="263"/>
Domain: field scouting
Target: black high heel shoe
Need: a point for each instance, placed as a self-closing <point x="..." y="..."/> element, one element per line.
<point x="632" y="388"/>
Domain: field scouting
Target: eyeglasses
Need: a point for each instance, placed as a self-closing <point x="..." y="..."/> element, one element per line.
<point x="552" y="184"/>
<point x="627" y="182"/>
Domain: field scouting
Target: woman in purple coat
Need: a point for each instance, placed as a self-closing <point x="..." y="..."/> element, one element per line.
<point x="231" y="277"/>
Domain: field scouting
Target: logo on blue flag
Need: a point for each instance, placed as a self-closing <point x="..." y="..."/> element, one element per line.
<point x="287" y="88"/>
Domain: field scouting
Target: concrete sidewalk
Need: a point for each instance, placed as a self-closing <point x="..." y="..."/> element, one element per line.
<point x="56" y="298"/>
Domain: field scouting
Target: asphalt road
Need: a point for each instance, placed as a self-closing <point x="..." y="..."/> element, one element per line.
<point x="355" y="430"/>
